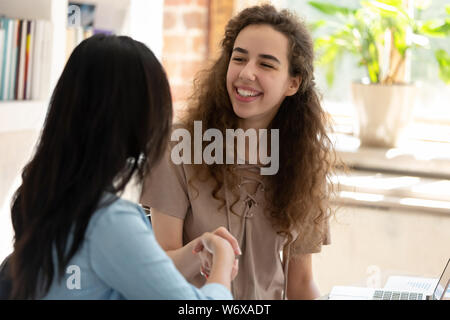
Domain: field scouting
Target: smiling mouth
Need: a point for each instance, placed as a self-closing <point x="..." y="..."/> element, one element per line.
<point x="246" y="93"/>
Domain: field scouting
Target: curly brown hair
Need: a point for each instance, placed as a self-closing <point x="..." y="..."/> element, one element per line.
<point x="298" y="193"/>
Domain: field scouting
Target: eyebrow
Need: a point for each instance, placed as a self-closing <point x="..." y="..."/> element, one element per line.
<point x="264" y="56"/>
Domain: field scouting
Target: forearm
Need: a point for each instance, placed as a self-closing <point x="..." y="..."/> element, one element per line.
<point x="222" y="267"/>
<point x="185" y="261"/>
<point x="220" y="274"/>
<point x="301" y="283"/>
<point x="306" y="290"/>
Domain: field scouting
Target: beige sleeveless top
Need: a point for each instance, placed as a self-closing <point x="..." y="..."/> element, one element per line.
<point x="262" y="274"/>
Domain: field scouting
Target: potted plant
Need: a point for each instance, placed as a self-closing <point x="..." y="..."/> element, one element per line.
<point x="381" y="34"/>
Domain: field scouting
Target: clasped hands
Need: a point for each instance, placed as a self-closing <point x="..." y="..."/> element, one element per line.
<point x="208" y="245"/>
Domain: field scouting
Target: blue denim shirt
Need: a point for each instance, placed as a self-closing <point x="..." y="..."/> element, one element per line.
<point x="120" y="259"/>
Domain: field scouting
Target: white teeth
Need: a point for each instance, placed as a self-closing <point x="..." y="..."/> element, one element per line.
<point x="247" y="93"/>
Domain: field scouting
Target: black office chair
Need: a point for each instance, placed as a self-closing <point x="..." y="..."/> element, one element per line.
<point x="5" y="280"/>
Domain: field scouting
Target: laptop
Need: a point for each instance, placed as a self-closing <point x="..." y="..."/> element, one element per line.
<point x="360" y="293"/>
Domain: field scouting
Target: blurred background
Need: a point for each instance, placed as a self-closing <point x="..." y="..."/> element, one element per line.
<point x="392" y="204"/>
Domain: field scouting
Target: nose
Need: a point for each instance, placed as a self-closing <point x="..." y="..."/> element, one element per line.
<point x="248" y="72"/>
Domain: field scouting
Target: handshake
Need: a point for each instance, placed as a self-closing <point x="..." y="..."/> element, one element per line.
<point x="219" y="253"/>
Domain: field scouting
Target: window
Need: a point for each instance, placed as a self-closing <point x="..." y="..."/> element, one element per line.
<point x="431" y="110"/>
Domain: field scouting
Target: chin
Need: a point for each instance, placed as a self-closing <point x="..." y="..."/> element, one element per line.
<point x="241" y="113"/>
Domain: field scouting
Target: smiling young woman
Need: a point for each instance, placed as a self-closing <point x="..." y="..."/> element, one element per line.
<point x="263" y="79"/>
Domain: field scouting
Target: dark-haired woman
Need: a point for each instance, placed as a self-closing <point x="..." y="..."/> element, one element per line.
<point x="263" y="79"/>
<point x="109" y="118"/>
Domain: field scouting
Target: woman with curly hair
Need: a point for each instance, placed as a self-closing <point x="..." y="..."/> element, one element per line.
<point x="263" y="79"/>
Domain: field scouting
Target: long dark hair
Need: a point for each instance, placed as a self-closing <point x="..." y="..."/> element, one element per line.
<point x="109" y="118"/>
<point x="298" y="194"/>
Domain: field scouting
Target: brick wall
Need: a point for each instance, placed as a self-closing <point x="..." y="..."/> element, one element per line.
<point x="185" y="47"/>
<point x="220" y="12"/>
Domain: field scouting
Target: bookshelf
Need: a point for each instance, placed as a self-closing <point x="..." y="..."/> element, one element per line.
<point x="29" y="114"/>
<point x="140" y="19"/>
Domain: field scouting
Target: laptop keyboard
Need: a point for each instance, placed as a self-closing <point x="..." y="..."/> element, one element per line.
<point x="396" y="295"/>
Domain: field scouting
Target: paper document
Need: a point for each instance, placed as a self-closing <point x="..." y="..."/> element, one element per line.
<point x="350" y="293"/>
<point x="414" y="284"/>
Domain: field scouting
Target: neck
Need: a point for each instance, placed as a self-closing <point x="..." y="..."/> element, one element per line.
<point x="256" y="124"/>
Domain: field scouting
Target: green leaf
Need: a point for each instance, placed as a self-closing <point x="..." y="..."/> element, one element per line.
<point x="447" y="9"/>
<point x="443" y="59"/>
<point x="316" y="25"/>
<point x="400" y="42"/>
<point x="380" y="7"/>
<point x="387" y="9"/>
<point x="329" y="52"/>
<point x="331" y="9"/>
<point x="436" y="28"/>
<point x="394" y="3"/>
<point x="373" y="67"/>
<point x="329" y="74"/>
<point x="370" y="58"/>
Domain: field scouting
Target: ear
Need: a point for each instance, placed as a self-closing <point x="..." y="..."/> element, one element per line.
<point x="294" y="85"/>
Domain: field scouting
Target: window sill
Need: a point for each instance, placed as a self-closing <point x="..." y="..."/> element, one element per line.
<point x="419" y="158"/>
<point x="415" y="176"/>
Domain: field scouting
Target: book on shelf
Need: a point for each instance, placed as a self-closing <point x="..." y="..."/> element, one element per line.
<point x="7" y="25"/>
<point x="36" y="72"/>
<point x="74" y="35"/>
<point x="28" y="64"/>
<point x="13" y="69"/>
<point x="22" y="36"/>
<point x="25" y="47"/>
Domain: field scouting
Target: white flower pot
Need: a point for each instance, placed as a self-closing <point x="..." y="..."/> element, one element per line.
<point x="383" y="112"/>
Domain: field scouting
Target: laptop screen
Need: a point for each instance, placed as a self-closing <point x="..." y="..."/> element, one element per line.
<point x="441" y="287"/>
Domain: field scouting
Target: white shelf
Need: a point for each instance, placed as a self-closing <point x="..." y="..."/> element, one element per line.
<point x="26" y="9"/>
<point x="22" y="115"/>
<point x="29" y="115"/>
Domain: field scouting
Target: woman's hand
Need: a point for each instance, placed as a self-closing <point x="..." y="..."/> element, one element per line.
<point x="224" y="233"/>
<point x="210" y="245"/>
<point x="206" y="260"/>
